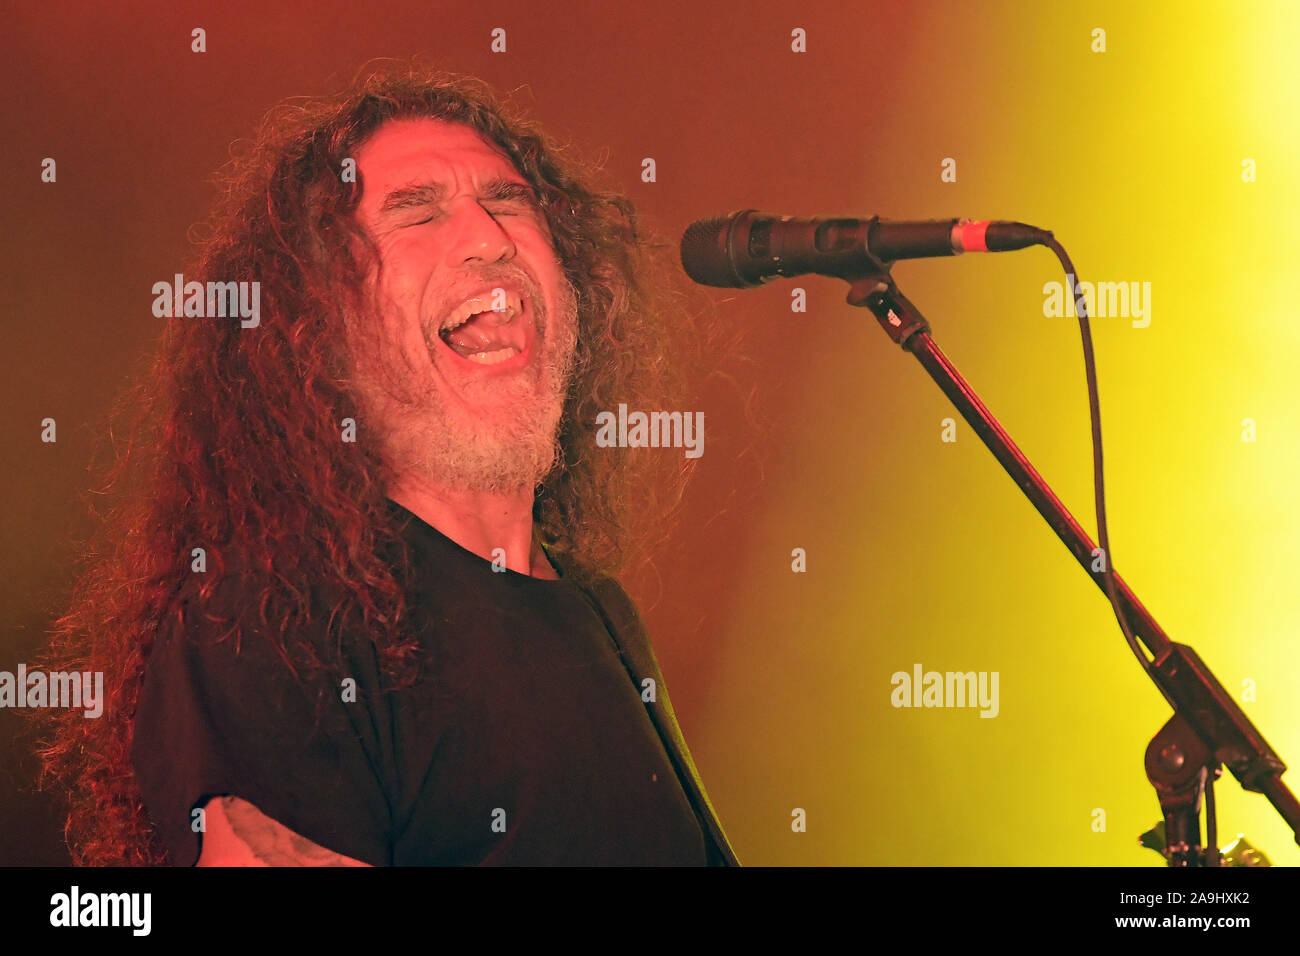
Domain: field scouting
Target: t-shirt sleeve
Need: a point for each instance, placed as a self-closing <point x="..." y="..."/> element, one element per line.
<point x="215" y="719"/>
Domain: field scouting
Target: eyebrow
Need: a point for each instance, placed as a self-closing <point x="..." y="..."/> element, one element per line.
<point x="496" y="189"/>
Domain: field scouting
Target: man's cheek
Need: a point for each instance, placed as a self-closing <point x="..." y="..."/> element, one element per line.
<point x="401" y="312"/>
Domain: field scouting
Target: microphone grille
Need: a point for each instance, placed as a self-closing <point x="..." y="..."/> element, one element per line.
<point x="705" y="254"/>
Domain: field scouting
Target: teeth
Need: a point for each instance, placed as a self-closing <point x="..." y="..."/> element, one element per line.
<point x="493" y="357"/>
<point x="480" y="303"/>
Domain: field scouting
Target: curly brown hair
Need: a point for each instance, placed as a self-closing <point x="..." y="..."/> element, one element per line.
<point x="232" y="442"/>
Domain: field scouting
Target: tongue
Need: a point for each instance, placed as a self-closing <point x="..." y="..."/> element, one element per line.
<point x="480" y="334"/>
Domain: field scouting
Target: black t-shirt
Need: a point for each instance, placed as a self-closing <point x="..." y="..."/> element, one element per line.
<point x="524" y="740"/>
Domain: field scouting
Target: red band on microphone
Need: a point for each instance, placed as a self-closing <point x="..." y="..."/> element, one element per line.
<point x="973" y="236"/>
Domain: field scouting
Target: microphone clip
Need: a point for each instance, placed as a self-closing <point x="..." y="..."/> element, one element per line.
<point x="897" y="316"/>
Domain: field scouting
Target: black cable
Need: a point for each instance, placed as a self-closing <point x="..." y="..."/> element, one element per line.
<point x="1212" y="857"/>
<point x="1098" y="480"/>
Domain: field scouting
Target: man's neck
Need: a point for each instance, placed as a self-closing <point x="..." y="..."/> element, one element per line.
<point x="485" y="523"/>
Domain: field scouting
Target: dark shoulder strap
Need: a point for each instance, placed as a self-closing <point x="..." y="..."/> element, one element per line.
<point x="633" y="644"/>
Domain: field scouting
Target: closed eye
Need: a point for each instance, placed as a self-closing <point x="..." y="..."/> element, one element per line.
<point x="506" y="197"/>
<point x="511" y="207"/>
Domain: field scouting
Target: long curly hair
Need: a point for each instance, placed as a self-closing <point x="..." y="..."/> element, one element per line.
<point x="230" y="438"/>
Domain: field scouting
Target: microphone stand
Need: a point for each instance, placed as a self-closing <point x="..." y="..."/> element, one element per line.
<point x="1207" y="728"/>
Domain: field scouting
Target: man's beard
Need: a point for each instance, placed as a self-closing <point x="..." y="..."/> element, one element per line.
<point x="438" y="439"/>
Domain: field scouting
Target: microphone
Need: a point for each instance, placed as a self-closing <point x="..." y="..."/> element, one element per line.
<point x="748" y="248"/>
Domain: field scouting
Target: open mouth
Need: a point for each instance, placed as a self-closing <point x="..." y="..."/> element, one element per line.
<point x="490" y="329"/>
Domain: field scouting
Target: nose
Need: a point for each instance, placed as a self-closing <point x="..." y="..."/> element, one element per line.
<point x="478" y="236"/>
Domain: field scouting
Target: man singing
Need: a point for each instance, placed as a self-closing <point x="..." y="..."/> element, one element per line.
<point x="356" y="606"/>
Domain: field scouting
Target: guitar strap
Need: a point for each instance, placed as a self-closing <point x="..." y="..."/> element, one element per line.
<point x="633" y="645"/>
